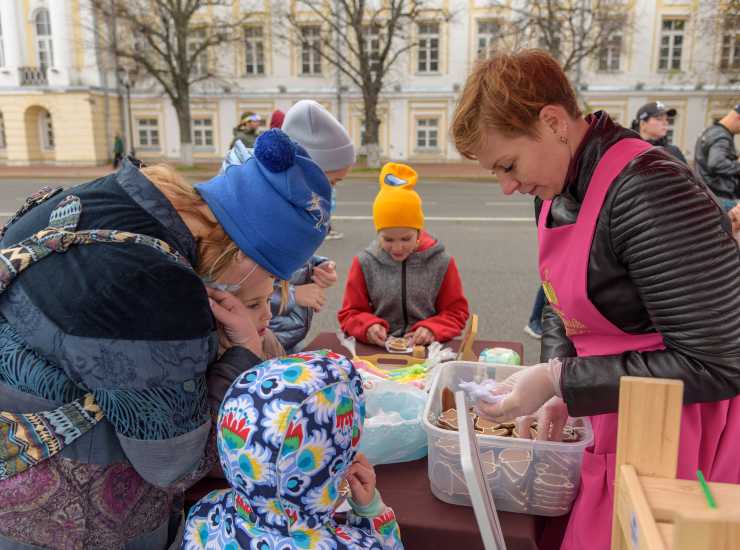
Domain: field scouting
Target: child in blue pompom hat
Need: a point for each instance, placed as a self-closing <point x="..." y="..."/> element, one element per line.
<point x="288" y="433"/>
<point x="243" y="198"/>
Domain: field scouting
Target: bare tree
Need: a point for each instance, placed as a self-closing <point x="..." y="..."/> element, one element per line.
<point x="719" y="19"/>
<point x="570" y="30"/>
<point x="363" y="40"/>
<point x="170" y="41"/>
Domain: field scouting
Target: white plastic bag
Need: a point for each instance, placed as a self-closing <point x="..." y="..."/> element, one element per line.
<point x="393" y="431"/>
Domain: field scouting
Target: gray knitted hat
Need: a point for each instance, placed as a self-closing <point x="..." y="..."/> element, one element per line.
<point x="320" y="134"/>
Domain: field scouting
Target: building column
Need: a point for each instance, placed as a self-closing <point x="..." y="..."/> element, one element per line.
<point x="12" y="45"/>
<point x="60" y="25"/>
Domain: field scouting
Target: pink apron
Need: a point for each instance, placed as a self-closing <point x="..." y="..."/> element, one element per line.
<point x="710" y="432"/>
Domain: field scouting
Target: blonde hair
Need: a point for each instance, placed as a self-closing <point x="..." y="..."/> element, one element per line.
<point x="506" y="93"/>
<point x="216" y="250"/>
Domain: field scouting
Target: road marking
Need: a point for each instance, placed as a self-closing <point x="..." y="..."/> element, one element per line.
<point x="508" y="203"/>
<point x="7" y="214"/>
<point x="367" y="203"/>
<point x="443" y="219"/>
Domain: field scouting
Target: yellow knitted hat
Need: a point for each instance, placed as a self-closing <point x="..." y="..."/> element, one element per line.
<point x="397" y="204"/>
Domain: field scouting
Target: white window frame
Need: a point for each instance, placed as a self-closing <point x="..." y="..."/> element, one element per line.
<point x="151" y="131"/>
<point x="310" y="50"/>
<point x="254" y="50"/>
<point x="3" y="142"/>
<point x="428" y="49"/>
<point x="371" y="35"/>
<point x="609" y="58"/>
<point x="428" y="127"/>
<point x="729" y="56"/>
<point x="485" y="40"/>
<point x="671" y="45"/>
<point x="44" y="42"/>
<point x="46" y="131"/>
<point x="200" y="63"/>
<point x="202" y="130"/>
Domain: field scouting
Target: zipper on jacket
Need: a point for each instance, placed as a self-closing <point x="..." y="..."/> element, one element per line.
<point x="403" y="297"/>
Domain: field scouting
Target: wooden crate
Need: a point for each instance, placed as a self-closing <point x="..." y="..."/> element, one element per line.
<point x="652" y="509"/>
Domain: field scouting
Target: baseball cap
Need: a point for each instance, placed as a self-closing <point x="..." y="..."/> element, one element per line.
<point x="737" y="108"/>
<point x="652" y="109"/>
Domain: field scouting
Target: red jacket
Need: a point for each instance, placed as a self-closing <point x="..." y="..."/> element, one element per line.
<point x="357" y="315"/>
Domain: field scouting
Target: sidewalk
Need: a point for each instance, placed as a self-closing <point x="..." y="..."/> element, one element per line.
<point x="459" y="171"/>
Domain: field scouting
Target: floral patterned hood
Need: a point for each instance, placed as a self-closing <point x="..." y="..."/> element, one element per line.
<point x="287" y="432"/>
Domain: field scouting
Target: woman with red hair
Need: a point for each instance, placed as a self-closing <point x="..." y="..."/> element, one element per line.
<point x="639" y="266"/>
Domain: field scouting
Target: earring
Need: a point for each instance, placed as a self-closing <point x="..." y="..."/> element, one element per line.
<point x="563" y="140"/>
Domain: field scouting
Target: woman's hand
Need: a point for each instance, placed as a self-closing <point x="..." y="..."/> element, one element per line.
<point x="237" y="327"/>
<point x="551" y="419"/>
<point x="377" y="334"/>
<point x="325" y="274"/>
<point x="525" y="392"/>
<point x="361" y="478"/>
<point x="735" y="218"/>
<point x="422" y="336"/>
<point x="310" y="295"/>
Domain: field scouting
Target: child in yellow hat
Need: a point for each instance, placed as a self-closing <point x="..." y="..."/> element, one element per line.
<point x="404" y="284"/>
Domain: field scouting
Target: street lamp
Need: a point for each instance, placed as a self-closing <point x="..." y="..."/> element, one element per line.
<point x="125" y="81"/>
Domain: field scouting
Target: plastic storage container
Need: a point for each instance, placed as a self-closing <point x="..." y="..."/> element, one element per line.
<point x="525" y="476"/>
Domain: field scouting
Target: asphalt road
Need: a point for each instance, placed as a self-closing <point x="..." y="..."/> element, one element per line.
<point x="491" y="236"/>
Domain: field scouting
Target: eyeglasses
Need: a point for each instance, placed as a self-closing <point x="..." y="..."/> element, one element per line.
<point x="228" y="287"/>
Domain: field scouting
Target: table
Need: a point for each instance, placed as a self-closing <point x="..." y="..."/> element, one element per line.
<point x="329" y="340"/>
<point x="426" y="522"/>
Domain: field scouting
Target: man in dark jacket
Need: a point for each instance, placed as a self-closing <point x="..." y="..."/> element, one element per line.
<point x="247" y="130"/>
<point x="651" y="122"/>
<point x="716" y="158"/>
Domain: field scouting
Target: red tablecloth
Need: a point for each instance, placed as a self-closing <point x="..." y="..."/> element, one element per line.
<point x="329" y="340"/>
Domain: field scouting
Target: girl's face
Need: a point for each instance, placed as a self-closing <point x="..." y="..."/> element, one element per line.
<point x="524" y="164"/>
<point x="335" y="176"/>
<point x="655" y="127"/>
<point x="256" y="298"/>
<point x="398" y="242"/>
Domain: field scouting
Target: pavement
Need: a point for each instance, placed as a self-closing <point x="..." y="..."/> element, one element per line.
<point x="466" y="170"/>
<point x="491" y="236"/>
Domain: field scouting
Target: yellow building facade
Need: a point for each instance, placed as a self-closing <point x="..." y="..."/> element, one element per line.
<point x="59" y="104"/>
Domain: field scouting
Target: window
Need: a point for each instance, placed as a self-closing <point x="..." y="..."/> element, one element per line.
<point x="46" y="131"/>
<point x="3" y="143"/>
<point x="671" y="44"/>
<point x="427" y="133"/>
<point x="428" y="61"/>
<point x="203" y="133"/>
<point x="148" y="132"/>
<point x="311" y="49"/>
<point x="488" y="32"/>
<point x="730" y="58"/>
<point x="44" y="49"/>
<point x="2" y="47"/>
<point x="551" y="45"/>
<point x="254" y="51"/>
<point x="199" y="66"/>
<point x="371" y="35"/>
<point x="610" y="53"/>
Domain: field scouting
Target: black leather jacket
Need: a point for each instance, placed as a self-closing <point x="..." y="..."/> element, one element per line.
<point x="662" y="258"/>
<point x="716" y="161"/>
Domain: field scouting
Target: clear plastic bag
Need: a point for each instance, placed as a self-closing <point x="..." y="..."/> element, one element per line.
<point x="393" y="429"/>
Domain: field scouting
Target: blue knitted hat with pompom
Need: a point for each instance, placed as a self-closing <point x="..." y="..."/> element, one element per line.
<point x="274" y="206"/>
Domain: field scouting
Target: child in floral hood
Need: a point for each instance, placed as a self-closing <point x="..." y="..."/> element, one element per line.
<point x="288" y="433"/>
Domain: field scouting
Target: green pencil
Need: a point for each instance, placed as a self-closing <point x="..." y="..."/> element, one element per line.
<point x="705" y="488"/>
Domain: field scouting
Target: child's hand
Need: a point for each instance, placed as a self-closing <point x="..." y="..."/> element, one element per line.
<point x="377" y="334"/>
<point x="310" y="295"/>
<point x="421" y="337"/>
<point x="325" y="274"/>
<point x="231" y="314"/>
<point x="361" y="478"/>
